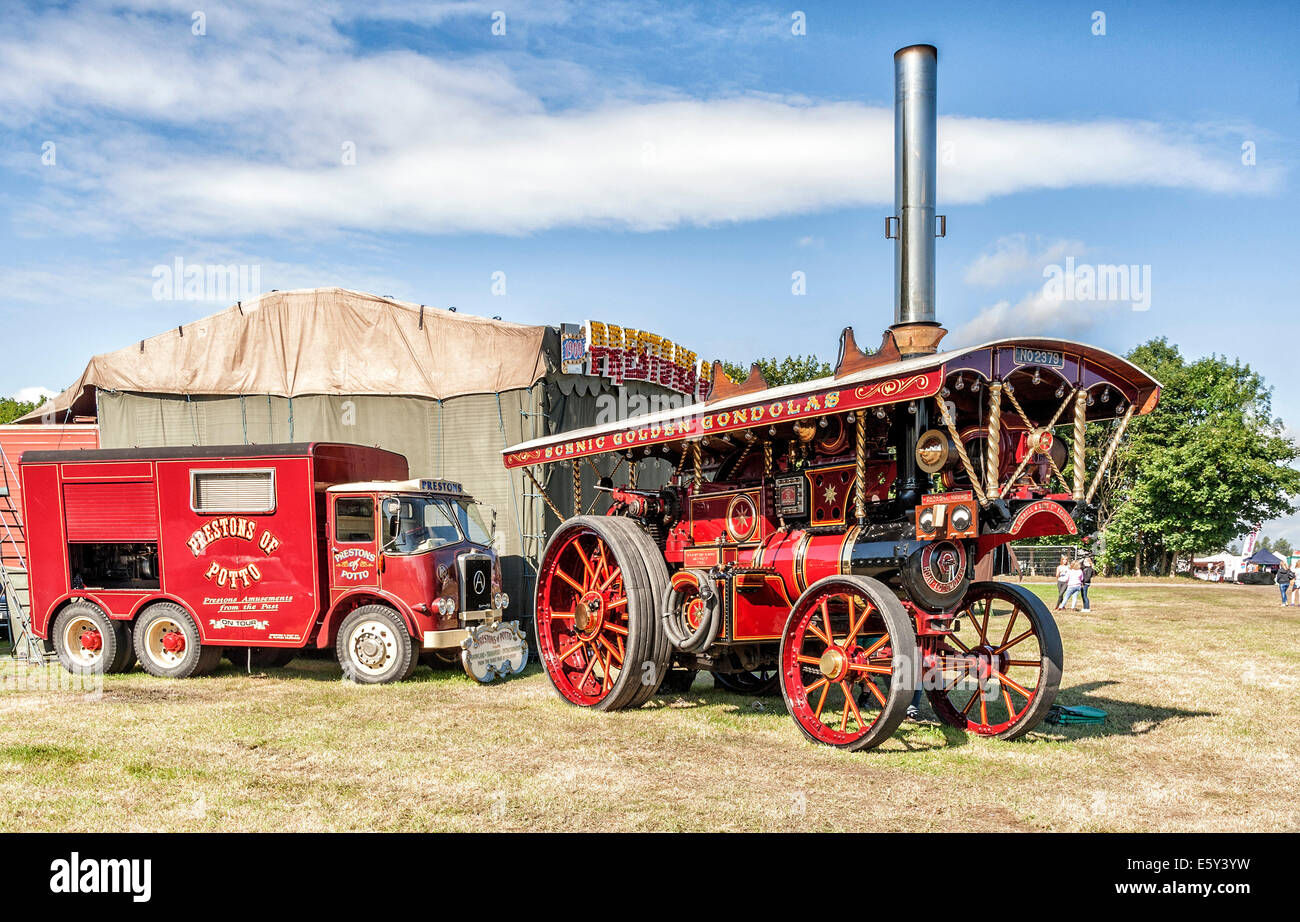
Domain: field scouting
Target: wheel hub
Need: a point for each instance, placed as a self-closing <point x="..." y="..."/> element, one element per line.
<point x="589" y="615"/>
<point x="833" y="663"/>
<point x="988" y="661"/>
<point x="173" y="641"/>
<point x="92" y="641"/>
<point x="370" y="650"/>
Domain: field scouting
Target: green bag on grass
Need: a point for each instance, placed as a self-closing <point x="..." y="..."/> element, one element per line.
<point x="1078" y="714"/>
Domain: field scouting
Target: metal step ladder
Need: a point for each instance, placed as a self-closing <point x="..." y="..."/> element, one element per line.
<point x="13" y="572"/>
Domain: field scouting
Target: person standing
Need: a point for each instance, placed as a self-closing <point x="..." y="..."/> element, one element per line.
<point x="1062" y="575"/>
<point x="1284" y="581"/>
<point x="1086" y="573"/>
<point x="1073" y="584"/>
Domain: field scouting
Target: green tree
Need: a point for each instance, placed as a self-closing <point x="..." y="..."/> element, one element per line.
<point x="1202" y="468"/>
<point x="789" y="370"/>
<point x="12" y="409"/>
<point x="1282" y="547"/>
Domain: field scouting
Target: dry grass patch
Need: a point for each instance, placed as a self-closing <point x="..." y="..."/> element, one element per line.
<point x="1201" y="685"/>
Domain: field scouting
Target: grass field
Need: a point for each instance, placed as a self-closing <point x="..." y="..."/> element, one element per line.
<point x="1202" y="685"/>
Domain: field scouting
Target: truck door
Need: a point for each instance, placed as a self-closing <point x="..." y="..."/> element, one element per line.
<point x="354" y="557"/>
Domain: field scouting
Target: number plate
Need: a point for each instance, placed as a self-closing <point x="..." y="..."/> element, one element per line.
<point x="1039" y="357"/>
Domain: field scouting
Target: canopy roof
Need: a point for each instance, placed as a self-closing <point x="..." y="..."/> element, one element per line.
<point x="1224" y="557"/>
<point x="923" y="376"/>
<point x="318" y="341"/>
<point x="1265" y="558"/>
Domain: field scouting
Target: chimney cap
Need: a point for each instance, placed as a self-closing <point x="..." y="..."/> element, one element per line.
<point x="923" y="48"/>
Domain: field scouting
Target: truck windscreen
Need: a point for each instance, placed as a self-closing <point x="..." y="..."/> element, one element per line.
<point x="428" y="523"/>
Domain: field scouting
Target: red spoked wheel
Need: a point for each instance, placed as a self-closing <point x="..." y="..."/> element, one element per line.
<point x="999" y="674"/>
<point x="848" y="662"/>
<point x="597" y="630"/>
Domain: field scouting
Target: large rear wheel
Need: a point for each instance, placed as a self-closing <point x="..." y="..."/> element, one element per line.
<point x="598" y="595"/>
<point x="848" y="662"/>
<point x="168" y="643"/>
<point x="87" y="640"/>
<point x="999" y="674"/>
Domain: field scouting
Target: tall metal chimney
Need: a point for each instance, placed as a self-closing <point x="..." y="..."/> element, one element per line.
<point x="915" y="165"/>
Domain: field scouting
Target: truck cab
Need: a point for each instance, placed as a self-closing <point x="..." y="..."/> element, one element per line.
<point x="424" y="547"/>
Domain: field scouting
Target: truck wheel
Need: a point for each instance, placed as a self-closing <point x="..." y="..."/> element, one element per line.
<point x="374" y="646"/>
<point x="87" y="640"/>
<point x="597" y="613"/>
<point x="168" y="645"/>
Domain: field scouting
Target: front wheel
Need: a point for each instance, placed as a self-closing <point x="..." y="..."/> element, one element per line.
<point x="848" y="662"/>
<point x="999" y="674"/>
<point x="374" y="646"/>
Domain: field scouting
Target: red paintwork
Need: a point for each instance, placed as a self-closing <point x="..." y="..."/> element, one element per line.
<point x="18" y="438"/>
<point x="1037" y="520"/>
<point x="272" y="579"/>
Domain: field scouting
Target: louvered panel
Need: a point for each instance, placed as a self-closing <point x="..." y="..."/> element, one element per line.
<point x="110" y="512"/>
<point x="234" y="491"/>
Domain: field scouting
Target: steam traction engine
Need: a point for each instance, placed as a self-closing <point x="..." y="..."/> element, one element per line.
<point x="826" y="535"/>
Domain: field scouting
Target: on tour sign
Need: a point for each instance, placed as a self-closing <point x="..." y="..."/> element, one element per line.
<point x="621" y="354"/>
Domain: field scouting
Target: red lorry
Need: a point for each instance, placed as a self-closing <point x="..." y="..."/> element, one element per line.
<point x="176" y="555"/>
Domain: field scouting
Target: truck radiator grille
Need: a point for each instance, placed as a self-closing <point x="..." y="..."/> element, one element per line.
<point x="474" y="571"/>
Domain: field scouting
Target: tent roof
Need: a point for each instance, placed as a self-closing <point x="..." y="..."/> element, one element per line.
<point x="1223" y="557"/>
<point x="1268" y="558"/>
<point x="318" y="341"/>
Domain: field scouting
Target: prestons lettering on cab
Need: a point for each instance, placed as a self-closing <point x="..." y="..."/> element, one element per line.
<point x="237" y="528"/>
<point x="354" y="564"/>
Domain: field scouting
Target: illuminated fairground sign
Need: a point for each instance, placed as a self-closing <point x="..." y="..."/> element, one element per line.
<point x="622" y="354"/>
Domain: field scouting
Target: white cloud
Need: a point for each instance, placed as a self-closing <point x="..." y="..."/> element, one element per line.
<point x="1015" y="258"/>
<point x="34" y="394"/>
<point x="1045" y="311"/>
<point x="243" y="128"/>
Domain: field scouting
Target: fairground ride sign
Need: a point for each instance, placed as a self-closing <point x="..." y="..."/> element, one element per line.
<point x="621" y="354"/>
<point x="693" y="425"/>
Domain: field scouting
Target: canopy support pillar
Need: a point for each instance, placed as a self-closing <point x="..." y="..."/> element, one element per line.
<point x="993" y="447"/>
<point x="860" y="467"/>
<point x="976" y="487"/>
<point x="1110" y="452"/>
<point x="1080" y="421"/>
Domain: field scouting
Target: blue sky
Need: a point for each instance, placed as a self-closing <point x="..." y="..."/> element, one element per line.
<point x="657" y="165"/>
